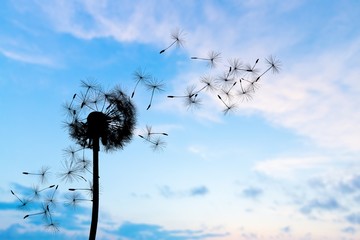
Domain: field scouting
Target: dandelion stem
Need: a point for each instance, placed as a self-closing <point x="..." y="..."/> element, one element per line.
<point x="95" y="205"/>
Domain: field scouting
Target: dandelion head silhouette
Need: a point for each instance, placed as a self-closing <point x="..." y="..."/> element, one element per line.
<point x="107" y="116"/>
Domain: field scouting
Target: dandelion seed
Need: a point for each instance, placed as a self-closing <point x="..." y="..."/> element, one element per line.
<point x="75" y="198"/>
<point x="140" y="76"/>
<point x="227" y="92"/>
<point x="71" y="151"/>
<point x="177" y="36"/>
<point x="244" y="94"/>
<point x="84" y="164"/>
<point x="42" y="173"/>
<point x="224" y="80"/>
<point x="156" y="144"/>
<point x="23" y="202"/>
<point x="70" y="172"/>
<point x="274" y="65"/>
<point x="154" y="86"/>
<point x="149" y="133"/>
<point x="236" y="66"/>
<point x="191" y="96"/>
<point x="52" y="226"/>
<point x="212" y="58"/>
<point x="209" y="84"/>
<point x="89" y="190"/>
<point x="228" y="107"/>
<point x="37" y="190"/>
<point x="45" y="212"/>
<point x="50" y="200"/>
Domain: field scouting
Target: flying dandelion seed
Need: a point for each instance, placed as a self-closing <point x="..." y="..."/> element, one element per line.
<point x="140" y="76"/>
<point x="42" y="174"/>
<point x="228" y="106"/>
<point x="154" y="85"/>
<point x="24" y="203"/>
<point x="177" y="36"/>
<point x="190" y="97"/>
<point x="273" y="64"/>
<point x="212" y="59"/>
<point x="236" y="66"/>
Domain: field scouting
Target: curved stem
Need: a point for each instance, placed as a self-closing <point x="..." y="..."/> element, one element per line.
<point x="95" y="206"/>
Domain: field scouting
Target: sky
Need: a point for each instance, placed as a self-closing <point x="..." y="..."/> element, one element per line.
<point x="283" y="165"/>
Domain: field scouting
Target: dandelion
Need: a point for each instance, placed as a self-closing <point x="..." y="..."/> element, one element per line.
<point x="212" y="59"/>
<point x="177" y="36"/>
<point x="111" y="121"/>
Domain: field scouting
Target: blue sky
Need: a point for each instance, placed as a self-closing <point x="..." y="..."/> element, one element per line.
<point x="284" y="165"/>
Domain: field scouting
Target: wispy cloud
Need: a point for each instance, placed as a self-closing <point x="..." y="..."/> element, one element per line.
<point x="321" y="105"/>
<point x="199" y="191"/>
<point x="286" y="229"/>
<point x="252" y="192"/>
<point x="327" y="204"/>
<point x="354" y="218"/>
<point x="167" y="192"/>
<point x="28" y="58"/>
<point x="350" y="230"/>
<point x="288" y="167"/>
<point x="136" y="231"/>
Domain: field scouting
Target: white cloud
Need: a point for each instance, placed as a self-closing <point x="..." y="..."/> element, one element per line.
<point x="28" y="58"/>
<point x="317" y="98"/>
<point x="289" y="167"/>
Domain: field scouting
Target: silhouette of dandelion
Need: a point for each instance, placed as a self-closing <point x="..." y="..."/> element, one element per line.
<point x="97" y="116"/>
